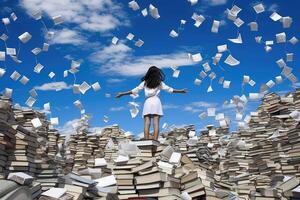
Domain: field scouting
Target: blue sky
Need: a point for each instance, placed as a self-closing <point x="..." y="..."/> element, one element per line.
<point x="86" y="35"/>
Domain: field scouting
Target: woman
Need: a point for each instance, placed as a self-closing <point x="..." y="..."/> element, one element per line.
<point x="152" y="83"/>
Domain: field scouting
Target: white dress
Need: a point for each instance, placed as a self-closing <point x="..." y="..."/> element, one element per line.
<point x="152" y="105"/>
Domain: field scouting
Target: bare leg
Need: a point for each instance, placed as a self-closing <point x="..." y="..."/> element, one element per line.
<point x="156" y="126"/>
<point x="147" y="121"/>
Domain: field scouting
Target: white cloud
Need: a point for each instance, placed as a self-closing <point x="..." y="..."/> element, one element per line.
<point x="215" y="2"/>
<point x="198" y="106"/>
<point x="170" y="106"/>
<point x="115" y="80"/>
<point x="115" y="109"/>
<point x="119" y="60"/>
<point x="191" y="109"/>
<point x="53" y="86"/>
<point x="92" y="15"/>
<point x="295" y="85"/>
<point x="67" y="36"/>
<point x="203" y="104"/>
<point x="68" y="127"/>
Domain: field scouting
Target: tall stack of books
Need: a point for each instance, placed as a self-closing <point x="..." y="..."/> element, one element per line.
<point x="22" y="156"/>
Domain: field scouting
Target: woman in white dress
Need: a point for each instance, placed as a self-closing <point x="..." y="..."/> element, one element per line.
<point x="152" y="83"/>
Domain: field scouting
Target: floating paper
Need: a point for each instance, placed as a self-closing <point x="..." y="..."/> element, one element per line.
<point x="259" y="8"/>
<point x="47" y="107"/>
<point x="221" y="80"/>
<point x="25" y="37"/>
<point x="202" y="115"/>
<point x="278" y="79"/>
<point x="173" y="34"/>
<point x="57" y="19"/>
<point x="268" y="49"/>
<point x="293" y="40"/>
<point x="2" y="72"/>
<point x="222" y="48"/>
<point x="30" y="101"/>
<point x="238" y="116"/>
<point x="199" y="19"/>
<point x="237" y="40"/>
<point x="217" y="58"/>
<point x="8" y="92"/>
<point x="215" y="26"/>
<point x="139" y="43"/>
<point x="84" y="87"/>
<point x="176" y="73"/>
<point x="235" y="10"/>
<point x="24" y="80"/>
<point x="2" y="56"/>
<point x="130" y="36"/>
<point x="144" y="12"/>
<point x="193" y="2"/>
<point x="114" y="40"/>
<point x="11" y="51"/>
<point x="197" y="81"/>
<point x="209" y="89"/>
<point x="45" y="47"/>
<point x="239" y="22"/>
<point x="275" y="16"/>
<point x="226" y="84"/>
<point x="289" y="57"/>
<point x="15" y="76"/>
<point x="13" y="16"/>
<point x="78" y="104"/>
<point x="212" y="75"/>
<point x="36" y="51"/>
<point x="206" y="67"/>
<point x="253" y="26"/>
<point x="33" y="93"/>
<point x="258" y="39"/>
<point x="211" y="112"/>
<point x="202" y="74"/>
<point x="65" y="73"/>
<point x="4" y="37"/>
<point x="230" y="60"/>
<point x="270" y="83"/>
<point x="153" y="11"/>
<point x="5" y="21"/>
<point x="281" y="37"/>
<point x="51" y="75"/>
<point x="196" y="57"/>
<point x="54" y="121"/>
<point x="286" y="22"/>
<point x="38" y="68"/>
<point x="96" y="86"/>
<point x="105" y="118"/>
<point x="281" y="63"/>
<point x="133" y="5"/>
<point x="37" y="15"/>
<point x="134" y="112"/>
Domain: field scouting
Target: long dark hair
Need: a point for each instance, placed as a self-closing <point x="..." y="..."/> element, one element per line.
<point x="153" y="77"/>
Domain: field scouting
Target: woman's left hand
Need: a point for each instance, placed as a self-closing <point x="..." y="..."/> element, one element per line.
<point x="119" y="95"/>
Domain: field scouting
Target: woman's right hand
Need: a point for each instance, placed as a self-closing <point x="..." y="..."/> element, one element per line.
<point x="184" y="90"/>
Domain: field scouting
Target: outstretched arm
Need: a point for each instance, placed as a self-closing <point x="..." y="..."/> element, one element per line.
<point x="133" y="91"/>
<point x="182" y="91"/>
<point x="120" y="94"/>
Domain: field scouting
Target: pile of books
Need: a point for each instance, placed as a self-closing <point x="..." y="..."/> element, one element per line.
<point x="258" y="161"/>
